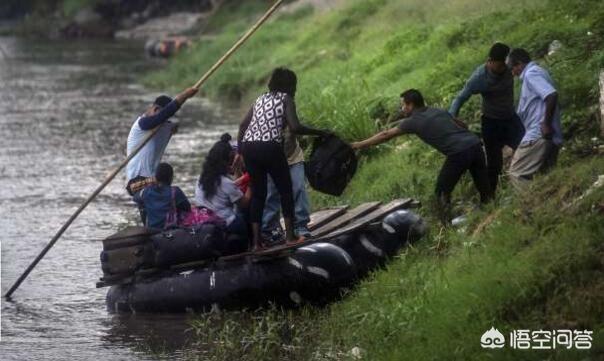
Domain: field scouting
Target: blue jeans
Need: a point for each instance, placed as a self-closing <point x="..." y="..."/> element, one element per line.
<point x="271" y="215"/>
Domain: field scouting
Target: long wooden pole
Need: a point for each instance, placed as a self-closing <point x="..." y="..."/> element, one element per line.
<point x="238" y="44"/>
<point x="109" y="178"/>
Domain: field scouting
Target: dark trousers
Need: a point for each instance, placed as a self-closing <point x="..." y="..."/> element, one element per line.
<point x="497" y="133"/>
<point x="262" y="159"/>
<point x="238" y="226"/>
<point x="456" y="165"/>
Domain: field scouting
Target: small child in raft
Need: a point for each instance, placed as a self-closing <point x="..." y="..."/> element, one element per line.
<point x="164" y="204"/>
<point x="216" y="190"/>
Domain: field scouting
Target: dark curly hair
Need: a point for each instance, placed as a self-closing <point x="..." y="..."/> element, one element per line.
<point x="216" y="165"/>
<point x="283" y="80"/>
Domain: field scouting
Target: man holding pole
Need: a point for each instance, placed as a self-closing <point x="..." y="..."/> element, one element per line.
<point x="142" y="166"/>
<point x="141" y="143"/>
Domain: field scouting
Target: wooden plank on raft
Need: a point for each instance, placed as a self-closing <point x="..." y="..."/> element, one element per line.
<point x="235" y="257"/>
<point x="191" y="265"/>
<point x="357" y="212"/>
<point x="280" y="250"/>
<point x="321" y="217"/>
<point x="368" y="218"/>
<point x="324" y="216"/>
<point x="317" y="219"/>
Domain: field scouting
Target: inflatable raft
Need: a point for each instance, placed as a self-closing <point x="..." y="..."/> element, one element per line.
<point x="184" y="269"/>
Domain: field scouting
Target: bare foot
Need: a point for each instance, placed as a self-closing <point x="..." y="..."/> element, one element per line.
<point x="259" y="246"/>
<point x="300" y="239"/>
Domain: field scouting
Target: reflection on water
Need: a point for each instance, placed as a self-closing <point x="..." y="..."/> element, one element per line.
<point x="162" y="336"/>
<point x="65" y="112"/>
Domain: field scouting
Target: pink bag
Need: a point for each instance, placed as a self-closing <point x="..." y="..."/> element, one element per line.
<point x="198" y="216"/>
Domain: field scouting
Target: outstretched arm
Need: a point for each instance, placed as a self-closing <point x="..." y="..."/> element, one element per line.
<point x="293" y="122"/>
<point x="186" y="95"/>
<point x="472" y="86"/>
<point x="152" y="121"/>
<point x="379" y="138"/>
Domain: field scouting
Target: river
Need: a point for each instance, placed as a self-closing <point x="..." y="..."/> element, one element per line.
<point x="65" y="112"/>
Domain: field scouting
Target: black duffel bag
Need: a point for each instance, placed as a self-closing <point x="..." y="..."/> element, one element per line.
<point x="183" y="245"/>
<point x="331" y="165"/>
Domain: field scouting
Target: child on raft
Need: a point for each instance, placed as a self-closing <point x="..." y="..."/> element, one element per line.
<point x="163" y="204"/>
<point x="216" y="190"/>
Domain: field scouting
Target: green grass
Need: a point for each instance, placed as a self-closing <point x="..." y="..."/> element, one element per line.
<point x="440" y="297"/>
<point x="353" y="63"/>
<point x="523" y="262"/>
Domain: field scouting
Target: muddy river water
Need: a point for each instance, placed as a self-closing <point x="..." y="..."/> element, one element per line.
<point x="65" y="112"/>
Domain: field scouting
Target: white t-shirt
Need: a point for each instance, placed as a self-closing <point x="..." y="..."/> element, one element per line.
<point x="223" y="203"/>
<point x="145" y="162"/>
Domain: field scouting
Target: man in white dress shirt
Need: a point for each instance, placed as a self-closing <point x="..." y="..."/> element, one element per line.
<point x="539" y="112"/>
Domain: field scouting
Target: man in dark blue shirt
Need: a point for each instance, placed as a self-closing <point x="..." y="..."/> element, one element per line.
<point x="500" y="124"/>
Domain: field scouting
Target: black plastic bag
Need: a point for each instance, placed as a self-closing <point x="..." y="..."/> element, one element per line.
<point x="331" y="166"/>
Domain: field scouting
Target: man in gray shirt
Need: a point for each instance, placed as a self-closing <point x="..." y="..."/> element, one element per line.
<point x="500" y="124"/>
<point x="437" y="128"/>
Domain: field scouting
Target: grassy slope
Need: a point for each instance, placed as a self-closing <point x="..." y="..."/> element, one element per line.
<point x="532" y="261"/>
<point x="532" y="266"/>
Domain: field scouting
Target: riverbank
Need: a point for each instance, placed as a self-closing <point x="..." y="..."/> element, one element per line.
<point x="526" y="262"/>
<point x="536" y="263"/>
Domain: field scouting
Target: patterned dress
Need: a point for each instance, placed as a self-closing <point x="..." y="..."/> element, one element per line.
<point x="268" y="119"/>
